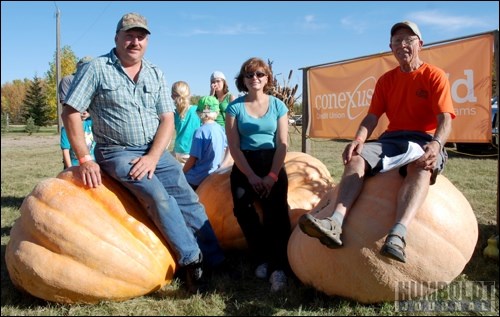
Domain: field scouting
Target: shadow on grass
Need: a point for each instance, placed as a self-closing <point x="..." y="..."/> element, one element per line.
<point x="12" y="202"/>
<point x="247" y="295"/>
<point x="5" y="231"/>
<point x="481" y="268"/>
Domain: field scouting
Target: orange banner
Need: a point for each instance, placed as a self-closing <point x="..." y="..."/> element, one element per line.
<point x="340" y="94"/>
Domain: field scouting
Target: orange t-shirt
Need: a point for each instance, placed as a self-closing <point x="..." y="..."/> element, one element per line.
<point x="412" y="100"/>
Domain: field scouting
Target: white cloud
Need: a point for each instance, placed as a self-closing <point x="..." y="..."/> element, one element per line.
<point x="353" y="23"/>
<point x="309" y="22"/>
<point x="238" y="29"/>
<point x="447" y="22"/>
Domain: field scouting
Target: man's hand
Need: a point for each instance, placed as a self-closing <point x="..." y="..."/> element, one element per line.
<point x="141" y="166"/>
<point x="355" y="146"/>
<point x="429" y="159"/>
<point x="90" y="173"/>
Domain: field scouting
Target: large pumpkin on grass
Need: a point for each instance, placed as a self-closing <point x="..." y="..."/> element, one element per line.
<point x="440" y="241"/>
<point x="308" y="181"/>
<point x="78" y="245"/>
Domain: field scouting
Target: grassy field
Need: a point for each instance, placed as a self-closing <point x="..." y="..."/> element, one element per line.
<point x="26" y="160"/>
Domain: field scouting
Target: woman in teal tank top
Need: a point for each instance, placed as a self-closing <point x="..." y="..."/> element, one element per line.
<point x="257" y="133"/>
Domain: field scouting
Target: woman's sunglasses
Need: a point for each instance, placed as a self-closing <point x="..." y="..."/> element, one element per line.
<point x="258" y="74"/>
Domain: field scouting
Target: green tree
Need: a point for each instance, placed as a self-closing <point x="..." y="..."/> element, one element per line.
<point x="194" y="99"/>
<point x="68" y="66"/>
<point x="35" y="104"/>
<point x="31" y="127"/>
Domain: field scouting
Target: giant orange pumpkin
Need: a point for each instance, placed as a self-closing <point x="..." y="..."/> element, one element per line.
<point x="440" y="241"/>
<point x="308" y="181"/>
<point x="78" y="245"/>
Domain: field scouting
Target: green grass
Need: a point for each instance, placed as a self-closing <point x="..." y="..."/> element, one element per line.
<point x="26" y="160"/>
<point x="20" y="130"/>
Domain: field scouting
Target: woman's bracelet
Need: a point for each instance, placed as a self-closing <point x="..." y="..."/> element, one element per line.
<point x="273" y="176"/>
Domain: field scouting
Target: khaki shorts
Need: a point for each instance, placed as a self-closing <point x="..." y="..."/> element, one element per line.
<point x="396" y="143"/>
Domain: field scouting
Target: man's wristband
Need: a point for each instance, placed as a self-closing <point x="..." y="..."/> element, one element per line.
<point x="84" y="159"/>
<point x="438" y="141"/>
<point x="273" y="176"/>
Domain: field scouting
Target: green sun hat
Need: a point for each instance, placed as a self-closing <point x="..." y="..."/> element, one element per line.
<point x="208" y="104"/>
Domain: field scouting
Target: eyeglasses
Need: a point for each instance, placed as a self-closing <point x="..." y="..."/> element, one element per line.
<point x="258" y="74"/>
<point x="131" y="36"/>
<point x="405" y="41"/>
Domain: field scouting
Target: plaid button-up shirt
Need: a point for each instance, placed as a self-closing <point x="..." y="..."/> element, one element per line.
<point x="124" y="112"/>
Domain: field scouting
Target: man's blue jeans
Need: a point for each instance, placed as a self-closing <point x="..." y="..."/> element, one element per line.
<point x="169" y="201"/>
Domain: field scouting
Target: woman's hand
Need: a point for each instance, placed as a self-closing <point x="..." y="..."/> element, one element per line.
<point x="259" y="185"/>
<point x="268" y="185"/>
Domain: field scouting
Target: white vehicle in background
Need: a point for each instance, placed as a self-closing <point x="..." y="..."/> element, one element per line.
<point x="494" y="116"/>
<point x="295" y="120"/>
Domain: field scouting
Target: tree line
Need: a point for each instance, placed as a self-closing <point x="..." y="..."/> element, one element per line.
<point x="33" y="101"/>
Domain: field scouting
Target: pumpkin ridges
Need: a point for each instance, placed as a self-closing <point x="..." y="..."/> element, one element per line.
<point x="434" y="242"/>
<point x="440" y="228"/>
<point x="306" y="171"/>
<point x="122" y="206"/>
<point x="51" y="224"/>
<point x="67" y="278"/>
<point x="30" y="232"/>
<point x="446" y="225"/>
<point x="121" y="226"/>
<point x="87" y="264"/>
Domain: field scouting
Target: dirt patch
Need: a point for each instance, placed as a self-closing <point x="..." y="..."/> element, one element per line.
<point x="33" y="141"/>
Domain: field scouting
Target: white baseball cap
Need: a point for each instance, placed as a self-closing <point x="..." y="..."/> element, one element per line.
<point x="409" y="25"/>
<point x="217" y="74"/>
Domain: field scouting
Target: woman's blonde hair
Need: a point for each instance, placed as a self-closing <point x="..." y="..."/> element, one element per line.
<point x="182" y="97"/>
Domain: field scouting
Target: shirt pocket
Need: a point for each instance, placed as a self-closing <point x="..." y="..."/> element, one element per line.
<point x="110" y="91"/>
<point x="151" y="94"/>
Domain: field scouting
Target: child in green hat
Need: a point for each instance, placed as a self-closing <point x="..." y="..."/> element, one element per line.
<point x="209" y="147"/>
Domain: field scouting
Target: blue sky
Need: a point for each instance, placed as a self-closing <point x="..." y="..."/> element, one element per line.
<point x="190" y="40"/>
